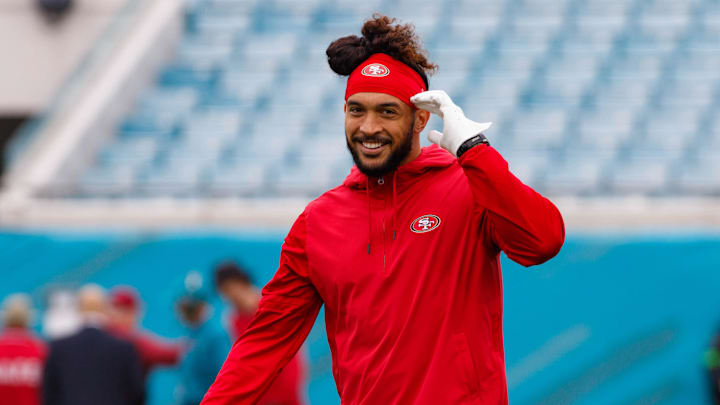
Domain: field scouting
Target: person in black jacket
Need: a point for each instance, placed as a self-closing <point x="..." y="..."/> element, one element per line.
<point x="92" y="367"/>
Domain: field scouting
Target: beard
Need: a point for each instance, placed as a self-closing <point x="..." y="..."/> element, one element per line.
<point x="391" y="162"/>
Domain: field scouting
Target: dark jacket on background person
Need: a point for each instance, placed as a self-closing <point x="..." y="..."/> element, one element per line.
<point x="408" y="268"/>
<point x="92" y="367"/>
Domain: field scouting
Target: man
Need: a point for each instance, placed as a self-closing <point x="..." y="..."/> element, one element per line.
<point x="405" y="255"/>
<point x="208" y="343"/>
<point x="91" y="366"/>
<point x="235" y="286"/>
<point x="22" y="354"/>
<point x="125" y="317"/>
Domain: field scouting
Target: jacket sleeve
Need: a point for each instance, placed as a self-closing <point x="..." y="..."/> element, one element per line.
<point x="286" y="313"/>
<point x="156" y="351"/>
<point x="518" y="220"/>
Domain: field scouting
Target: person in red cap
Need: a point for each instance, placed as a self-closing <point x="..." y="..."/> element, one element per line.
<point x="125" y="317"/>
<point x="405" y="254"/>
<point x="22" y="354"/>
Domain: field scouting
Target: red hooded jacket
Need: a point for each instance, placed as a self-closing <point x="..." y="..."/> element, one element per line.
<point x="408" y="267"/>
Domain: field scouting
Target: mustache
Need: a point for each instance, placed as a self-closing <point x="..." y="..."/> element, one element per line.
<point x="370" y="138"/>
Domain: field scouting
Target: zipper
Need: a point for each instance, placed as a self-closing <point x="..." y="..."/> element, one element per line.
<point x="384" y="251"/>
<point x="381" y="181"/>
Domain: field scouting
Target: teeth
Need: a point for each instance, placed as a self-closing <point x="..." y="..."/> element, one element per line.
<point x="372" y="145"/>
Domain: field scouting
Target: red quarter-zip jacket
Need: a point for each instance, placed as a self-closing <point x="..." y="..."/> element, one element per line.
<point x="408" y="267"/>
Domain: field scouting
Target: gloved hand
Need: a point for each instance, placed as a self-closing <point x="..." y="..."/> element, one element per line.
<point x="456" y="127"/>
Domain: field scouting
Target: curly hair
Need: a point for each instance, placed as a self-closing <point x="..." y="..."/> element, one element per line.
<point x="380" y="34"/>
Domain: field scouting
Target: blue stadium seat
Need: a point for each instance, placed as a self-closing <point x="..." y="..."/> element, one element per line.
<point x="645" y="175"/>
<point x="702" y="179"/>
<point x="576" y="176"/>
<point x="525" y="163"/>
<point x="243" y="178"/>
<point x="539" y="127"/>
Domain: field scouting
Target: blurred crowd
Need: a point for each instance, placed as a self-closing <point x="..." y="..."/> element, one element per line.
<point x="94" y="350"/>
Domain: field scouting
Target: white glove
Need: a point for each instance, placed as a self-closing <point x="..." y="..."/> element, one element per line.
<point x="456" y="127"/>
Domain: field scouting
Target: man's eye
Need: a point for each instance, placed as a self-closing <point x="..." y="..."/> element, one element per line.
<point x="389" y="112"/>
<point x="354" y="110"/>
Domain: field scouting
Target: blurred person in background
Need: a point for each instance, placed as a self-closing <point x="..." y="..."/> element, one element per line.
<point x="208" y="343"/>
<point x="61" y="318"/>
<point x="405" y="254"/>
<point x="22" y="354"/>
<point x="236" y="287"/>
<point x="125" y="310"/>
<point x="712" y="360"/>
<point x="92" y="367"/>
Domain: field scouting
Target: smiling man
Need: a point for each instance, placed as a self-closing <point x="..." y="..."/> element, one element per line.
<point x="380" y="127"/>
<point x="405" y="254"/>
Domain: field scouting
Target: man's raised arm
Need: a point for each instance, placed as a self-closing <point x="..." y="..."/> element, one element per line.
<point x="286" y="313"/>
<point x="521" y="222"/>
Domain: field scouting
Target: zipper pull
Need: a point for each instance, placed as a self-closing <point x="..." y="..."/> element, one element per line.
<point x="381" y="181"/>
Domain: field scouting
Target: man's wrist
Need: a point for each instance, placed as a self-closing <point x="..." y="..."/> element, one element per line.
<point x="470" y="143"/>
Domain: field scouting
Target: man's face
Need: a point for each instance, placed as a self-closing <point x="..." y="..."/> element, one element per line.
<point x="242" y="295"/>
<point x="380" y="132"/>
<point x="192" y="313"/>
<point x="123" y="317"/>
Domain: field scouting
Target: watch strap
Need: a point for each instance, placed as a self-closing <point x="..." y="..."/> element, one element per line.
<point x="471" y="142"/>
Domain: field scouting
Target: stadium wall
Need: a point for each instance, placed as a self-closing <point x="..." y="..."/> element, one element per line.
<point x="601" y="214"/>
<point x="613" y="319"/>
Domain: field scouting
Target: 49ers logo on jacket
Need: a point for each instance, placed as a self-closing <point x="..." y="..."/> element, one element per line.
<point x="425" y="223"/>
<point x="375" y="70"/>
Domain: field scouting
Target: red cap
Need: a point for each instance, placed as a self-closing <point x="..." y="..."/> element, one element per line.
<point x="125" y="297"/>
<point x="381" y="73"/>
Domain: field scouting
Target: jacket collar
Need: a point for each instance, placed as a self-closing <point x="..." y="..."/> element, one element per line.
<point x="431" y="157"/>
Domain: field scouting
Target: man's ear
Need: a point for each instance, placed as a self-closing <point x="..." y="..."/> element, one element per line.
<point x="421" y="119"/>
<point x="345" y="107"/>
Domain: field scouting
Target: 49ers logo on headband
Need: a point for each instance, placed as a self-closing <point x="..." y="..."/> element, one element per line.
<point x="425" y="223"/>
<point x="375" y="70"/>
<point x="374" y="76"/>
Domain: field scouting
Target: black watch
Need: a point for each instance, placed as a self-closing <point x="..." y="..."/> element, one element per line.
<point x="470" y="143"/>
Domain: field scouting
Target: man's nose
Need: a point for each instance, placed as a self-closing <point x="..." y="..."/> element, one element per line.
<point x="370" y="125"/>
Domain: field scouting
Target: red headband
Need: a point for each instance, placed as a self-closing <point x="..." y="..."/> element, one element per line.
<point x="381" y="73"/>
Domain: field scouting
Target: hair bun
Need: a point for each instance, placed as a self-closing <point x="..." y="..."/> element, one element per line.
<point x="380" y="34"/>
<point x="346" y="53"/>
